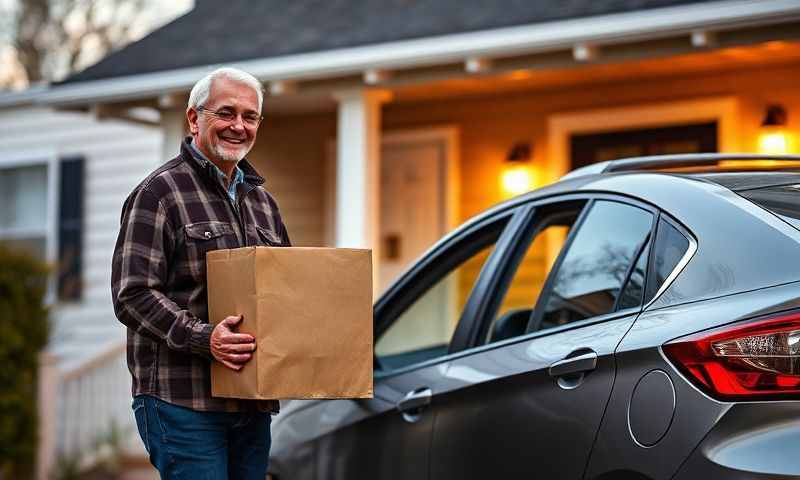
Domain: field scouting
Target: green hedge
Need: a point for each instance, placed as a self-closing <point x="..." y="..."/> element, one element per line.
<point x="23" y="334"/>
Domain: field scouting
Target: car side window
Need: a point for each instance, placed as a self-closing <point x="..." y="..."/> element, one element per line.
<point x="423" y="330"/>
<point x="550" y="229"/>
<point x="633" y="292"/>
<point x="670" y="247"/>
<point x="590" y="277"/>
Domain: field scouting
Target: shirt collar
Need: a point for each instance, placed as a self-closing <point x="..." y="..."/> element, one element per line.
<point x="238" y="174"/>
<point x="189" y="153"/>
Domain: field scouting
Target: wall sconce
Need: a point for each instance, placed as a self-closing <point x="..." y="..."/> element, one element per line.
<point x="774" y="137"/>
<point x="517" y="176"/>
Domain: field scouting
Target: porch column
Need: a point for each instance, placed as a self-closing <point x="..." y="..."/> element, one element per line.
<point x="358" y="171"/>
<point x="47" y="398"/>
<point x="172" y="127"/>
<point x="173" y="123"/>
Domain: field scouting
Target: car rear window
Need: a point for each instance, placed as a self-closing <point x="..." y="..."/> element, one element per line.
<point x="782" y="200"/>
<point x="670" y="247"/>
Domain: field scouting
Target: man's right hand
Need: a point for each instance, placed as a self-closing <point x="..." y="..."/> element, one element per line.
<point x="230" y="348"/>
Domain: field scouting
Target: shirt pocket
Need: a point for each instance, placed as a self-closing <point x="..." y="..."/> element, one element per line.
<point x="269" y="238"/>
<point x="203" y="237"/>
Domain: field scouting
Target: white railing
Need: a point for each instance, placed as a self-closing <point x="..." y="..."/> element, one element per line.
<point x="81" y="408"/>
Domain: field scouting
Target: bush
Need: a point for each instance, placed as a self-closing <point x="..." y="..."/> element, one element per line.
<point x="23" y="334"/>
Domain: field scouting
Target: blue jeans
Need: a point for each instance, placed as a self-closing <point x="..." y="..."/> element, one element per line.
<point x="189" y="444"/>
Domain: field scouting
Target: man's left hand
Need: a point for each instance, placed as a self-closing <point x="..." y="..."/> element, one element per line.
<point x="230" y="348"/>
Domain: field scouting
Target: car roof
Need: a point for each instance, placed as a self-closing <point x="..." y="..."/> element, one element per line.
<point x="690" y="162"/>
<point x="747" y="180"/>
<point x="734" y="172"/>
<point x="741" y="246"/>
<point x="675" y="184"/>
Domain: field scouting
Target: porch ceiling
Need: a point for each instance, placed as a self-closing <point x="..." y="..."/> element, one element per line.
<point x="773" y="53"/>
<point x="767" y="54"/>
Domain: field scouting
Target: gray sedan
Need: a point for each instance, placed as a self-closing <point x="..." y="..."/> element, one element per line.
<point x="639" y="319"/>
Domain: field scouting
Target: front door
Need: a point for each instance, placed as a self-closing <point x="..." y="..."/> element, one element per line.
<point x="413" y="214"/>
<point x="527" y="400"/>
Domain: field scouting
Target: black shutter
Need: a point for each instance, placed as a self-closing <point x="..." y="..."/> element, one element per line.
<point x="70" y="229"/>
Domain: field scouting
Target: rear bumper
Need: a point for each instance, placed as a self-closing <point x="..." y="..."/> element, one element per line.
<point x="751" y="441"/>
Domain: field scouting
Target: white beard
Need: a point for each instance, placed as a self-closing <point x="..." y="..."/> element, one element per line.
<point x="228" y="155"/>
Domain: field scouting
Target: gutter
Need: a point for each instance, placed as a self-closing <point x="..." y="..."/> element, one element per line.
<point x="429" y="51"/>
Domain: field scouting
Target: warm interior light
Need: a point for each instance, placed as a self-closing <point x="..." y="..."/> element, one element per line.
<point x="517" y="180"/>
<point x="773" y="138"/>
<point x="520" y="75"/>
<point x="774" y="142"/>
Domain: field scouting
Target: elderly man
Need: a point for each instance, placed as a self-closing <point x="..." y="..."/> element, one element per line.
<point x="208" y="197"/>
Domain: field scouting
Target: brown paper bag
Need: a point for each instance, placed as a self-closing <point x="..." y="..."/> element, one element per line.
<point x="310" y="310"/>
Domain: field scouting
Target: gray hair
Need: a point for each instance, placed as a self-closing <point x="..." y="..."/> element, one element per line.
<point x="202" y="89"/>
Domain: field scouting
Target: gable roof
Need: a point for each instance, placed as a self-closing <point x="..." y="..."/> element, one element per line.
<point x="124" y="76"/>
<point x="246" y="30"/>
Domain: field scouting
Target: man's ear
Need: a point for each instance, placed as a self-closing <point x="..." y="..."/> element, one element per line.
<point x="191" y="116"/>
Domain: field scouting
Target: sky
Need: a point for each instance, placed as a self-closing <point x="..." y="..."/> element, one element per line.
<point x="155" y="16"/>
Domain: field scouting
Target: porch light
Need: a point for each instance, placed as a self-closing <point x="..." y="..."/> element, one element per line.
<point x="517" y="176"/>
<point x="774" y="138"/>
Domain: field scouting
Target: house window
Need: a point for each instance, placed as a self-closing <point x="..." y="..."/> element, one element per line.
<point x="599" y="147"/>
<point x="43" y="214"/>
<point x="24" y="217"/>
<point x="70" y="229"/>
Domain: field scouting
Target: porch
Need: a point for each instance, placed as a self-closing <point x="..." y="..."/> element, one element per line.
<point x="470" y="129"/>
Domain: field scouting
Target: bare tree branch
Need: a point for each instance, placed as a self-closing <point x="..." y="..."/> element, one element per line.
<point x="52" y="38"/>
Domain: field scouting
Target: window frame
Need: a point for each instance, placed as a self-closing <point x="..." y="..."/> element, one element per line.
<point x="433" y="266"/>
<point x="525" y="235"/>
<point x="531" y="225"/>
<point x="589" y="197"/>
<point x="498" y="272"/>
<point x="49" y="158"/>
<point x="538" y="310"/>
<point x="684" y="260"/>
<point x="648" y="241"/>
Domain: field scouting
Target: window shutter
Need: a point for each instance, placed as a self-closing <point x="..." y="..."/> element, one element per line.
<point x="70" y="229"/>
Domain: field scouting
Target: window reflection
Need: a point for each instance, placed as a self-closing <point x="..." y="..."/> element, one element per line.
<point x="590" y="277"/>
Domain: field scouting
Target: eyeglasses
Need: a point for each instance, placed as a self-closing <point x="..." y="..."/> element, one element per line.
<point x="251" y="119"/>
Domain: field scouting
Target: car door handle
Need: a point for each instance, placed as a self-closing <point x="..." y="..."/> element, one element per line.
<point x="415" y="399"/>
<point x="583" y="363"/>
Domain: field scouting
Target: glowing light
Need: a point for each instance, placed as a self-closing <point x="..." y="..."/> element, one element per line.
<point x="520" y="75"/>
<point x="517" y="180"/>
<point x="774" y="142"/>
<point x="774" y="138"/>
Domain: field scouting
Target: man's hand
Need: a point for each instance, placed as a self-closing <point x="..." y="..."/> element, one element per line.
<point x="230" y="348"/>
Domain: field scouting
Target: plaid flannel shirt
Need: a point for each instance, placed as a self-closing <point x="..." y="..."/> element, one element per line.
<point x="158" y="278"/>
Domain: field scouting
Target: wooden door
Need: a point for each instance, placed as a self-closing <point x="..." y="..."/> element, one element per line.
<point x="412" y="203"/>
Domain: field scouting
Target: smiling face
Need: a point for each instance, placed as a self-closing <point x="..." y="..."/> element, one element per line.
<point x="220" y="140"/>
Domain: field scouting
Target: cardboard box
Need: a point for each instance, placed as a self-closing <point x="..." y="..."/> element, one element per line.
<point x="310" y="310"/>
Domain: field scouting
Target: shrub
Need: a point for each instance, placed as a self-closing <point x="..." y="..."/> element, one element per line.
<point x="23" y="334"/>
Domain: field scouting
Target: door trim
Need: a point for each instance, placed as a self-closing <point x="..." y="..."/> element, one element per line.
<point x="561" y="126"/>
<point x="448" y="135"/>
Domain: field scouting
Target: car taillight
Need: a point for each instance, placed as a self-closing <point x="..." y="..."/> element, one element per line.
<point x="756" y="360"/>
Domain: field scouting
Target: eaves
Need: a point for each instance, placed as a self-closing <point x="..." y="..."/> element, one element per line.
<point x="431" y="51"/>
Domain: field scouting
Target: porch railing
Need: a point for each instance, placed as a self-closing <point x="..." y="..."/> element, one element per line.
<point x="82" y="409"/>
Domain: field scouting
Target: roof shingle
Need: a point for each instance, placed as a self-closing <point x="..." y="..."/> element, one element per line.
<point x="246" y="30"/>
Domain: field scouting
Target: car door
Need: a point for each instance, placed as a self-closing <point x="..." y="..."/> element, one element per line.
<point x="388" y="437"/>
<point x="527" y="398"/>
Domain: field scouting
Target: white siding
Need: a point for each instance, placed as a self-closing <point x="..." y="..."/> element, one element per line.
<point x="118" y="155"/>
